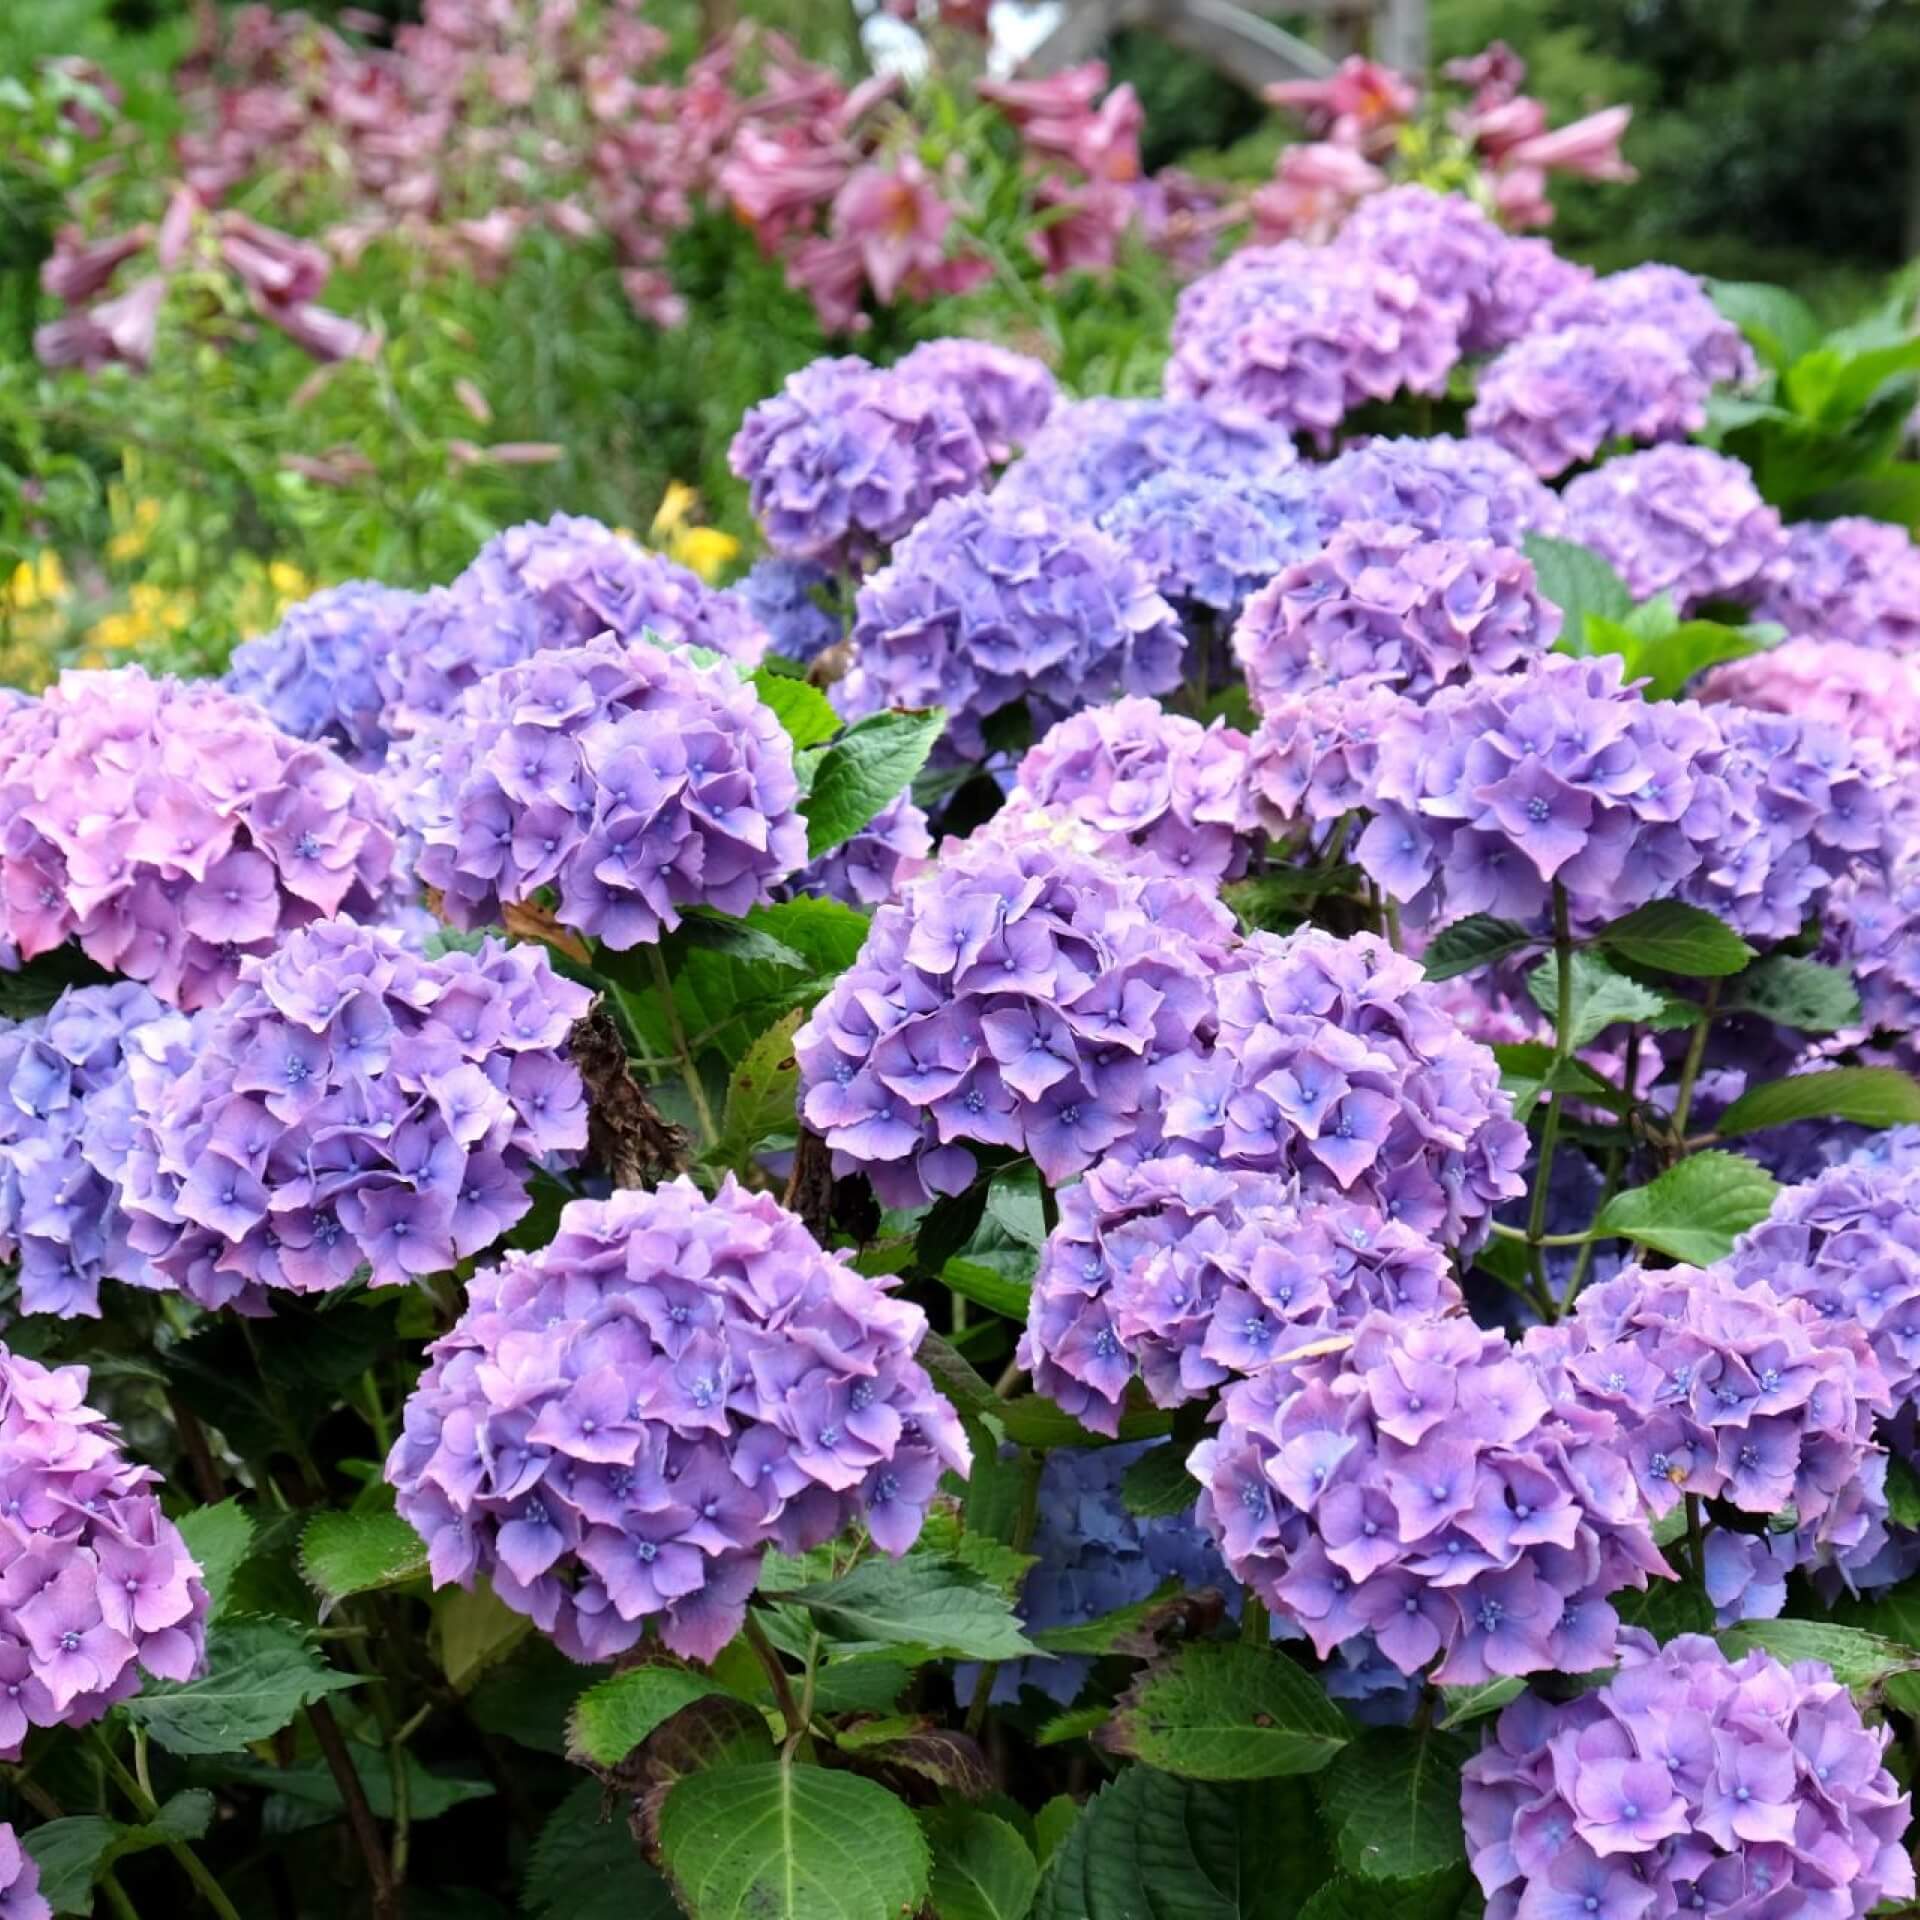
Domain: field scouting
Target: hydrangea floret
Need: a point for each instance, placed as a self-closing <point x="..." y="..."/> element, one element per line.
<point x="1006" y="395"/>
<point x="1443" y="488"/>
<point x="1848" y="579"/>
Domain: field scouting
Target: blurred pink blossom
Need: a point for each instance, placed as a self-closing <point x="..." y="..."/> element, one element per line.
<point x="1359" y="104"/>
<point x="1082" y="224"/>
<point x="1589" y="149"/>
<point x="1495" y="73"/>
<point x="1313" y="189"/>
<point x="77" y="268"/>
<point x="1060" y="96"/>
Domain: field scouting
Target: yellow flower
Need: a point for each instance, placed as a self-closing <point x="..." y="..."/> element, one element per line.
<point x="288" y="581"/>
<point x="131" y="541"/>
<point x="150" y="613"/>
<point x="704" y="550"/>
<point x="676" y="508"/>
<point x="38" y="582"/>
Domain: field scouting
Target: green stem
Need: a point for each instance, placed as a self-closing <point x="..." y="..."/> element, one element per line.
<point x="123" y="1908"/>
<point x="1023" y="1524"/>
<point x="1583" y="1260"/>
<point x="1255" y="1626"/>
<point x="1696" y="1539"/>
<point x="1504" y="1232"/>
<point x="1690" y="1068"/>
<point x="683" y="1055"/>
<point x="814" y="1646"/>
<point x="148" y="1809"/>
<point x="1550" y="1128"/>
<point x="769" y="1657"/>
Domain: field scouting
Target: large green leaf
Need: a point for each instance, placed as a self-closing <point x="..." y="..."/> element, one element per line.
<point x="780" y="1842"/>
<point x="1475" y="942"/>
<point x="939" y="1606"/>
<point x="613" y="1716"/>
<point x="982" y="1868"/>
<point x="1579" y="582"/>
<point x="348" y="1553"/>
<point x="1868" y="1096"/>
<point x="1860" y="1660"/>
<point x="1126" y="1629"/>
<point x="219" y="1538"/>
<point x="1673" y="938"/>
<point x="868" y="766"/>
<point x="73" y="1853"/>
<point x="1665" y="1608"/>
<point x="1696" y="1209"/>
<point x="1598" y="996"/>
<point x="1159" y="1484"/>
<point x="260" y="1673"/>
<point x="1794" y="992"/>
<point x="1392" y="1800"/>
<point x="585" y="1866"/>
<point x="1152" y="1847"/>
<point x="1032" y="1420"/>
<point x="799" y="706"/>
<point x="1780" y="324"/>
<point x="1221" y="1710"/>
<point x="763" y="1095"/>
<point x="1433" y="1896"/>
<point x="1459" y="1706"/>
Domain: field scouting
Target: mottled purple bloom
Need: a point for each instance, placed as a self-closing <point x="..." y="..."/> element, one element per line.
<point x="987" y="604"/>
<point x="1864" y="691"/>
<point x="171" y="830"/>
<point x="1317" y="753"/>
<point x="864" y="869"/>
<point x="784" y="596"/>
<point x="1093" y="452"/>
<point x="1384" y="605"/>
<point x="1185" y="1275"/>
<point x="845" y="459"/>
<point x="1006" y="395"/>
<point x="619" y="1425"/>
<point x="350" y="1103"/>
<point x="1556" y="399"/>
<point x="20" y="1895"/>
<point x="630" y="779"/>
<point x="1669" y="299"/>
<point x="1420" y="1485"/>
<point x="1688" y="1783"/>
<point x="328" y="671"/>
<point x="1158" y="789"/>
<point x="1490" y="283"/>
<point x="1443" y="488"/>
<point x="1871" y="926"/>
<point x="1684" y="521"/>
<point x="95" y="1581"/>
<point x="1017" y="996"/>
<point x="1849" y="579"/>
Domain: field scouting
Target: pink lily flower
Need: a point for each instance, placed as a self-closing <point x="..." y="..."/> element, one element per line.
<point x="1588" y="149"/>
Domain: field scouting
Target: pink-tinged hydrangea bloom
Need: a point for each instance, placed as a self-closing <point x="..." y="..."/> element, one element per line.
<point x="327" y="672"/>
<point x="1093" y="452"/>
<point x="1316" y="754"/>
<point x="95" y="1581"/>
<point x="1161" y="792"/>
<point x="1734" y="1394"/>
<point x="352" y="1105"/>
<point x="1859" y="690"/>
<point x="1383" y="605"/>
<point x="1017" y="996"/>
<point x="1556" y="399"/>
<point x="1680" y="520"/>
<point x="845" y="459"/>
<point x="987" y="603"/>
<point x="538" y="587"/>
<point x="1811" y="804"/>
<point x="20" y="1895"/>
<point x="1446" y="489"/>
<point x="1209" y="542"/>
<point x="1871" y="927"/>
<point x="66" y="1116"/>
<point x="1302" y="335"/>
<point x="1006" y="395"/>
<point x="1849" y="579"/>
<point x="1424" y="1486"/>
<point x="1492" y="792"/>
<point x="1333" y="1063"/>
<point x="171" y="830"/>
<point x="1688" y="1783"/>
<point x="1669" y="299"/>
<point x="1186" y="1275"/>
<point x="1491" y="285"/>
<point x="619" y="1425"/>
<point x="864" y="869"/>
<point x="628" y="778"/>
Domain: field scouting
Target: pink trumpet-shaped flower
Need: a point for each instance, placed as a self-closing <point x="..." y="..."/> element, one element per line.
<point x="1588" y="149"/>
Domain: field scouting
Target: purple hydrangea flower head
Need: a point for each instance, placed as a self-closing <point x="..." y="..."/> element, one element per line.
<point x="1690" y="1782"/>
<point x="20" y="1895"/>
<point x="988" y="602"/>
<point x="328" y="672"/>
<point x="1385" y="605"/>
<point x="1316" y="754"/>
<point x="66" y="1115"/>
<point x="1093" y="452"/>
<point x="1334" y="1064"/>
<point x="1186" y="1275"/>
<point x="783" y="596"/>
<point x="171" y="830"/>
<point x="632" y="780"/>
<point x="537" y="587"/>
<point x="619" y="1425"/>
<point x="1669" y="299"/>
<point x="1093" y="1558"/>
<point x="1006" y="395"/>
<point x="1444" y="488"/>
<point x="864" y="869"/>
<point x="1209" y="542"/>
<point x="351" y="1104"/>
<point x="95" y="1581"/>
<point x="1680" y="520"/>
<point x="1302" y="335"/>
<point x="1860" y="690"/>
<point x="1871" y="927"/>
<point x="1555" y="399"/>
<point x="1733" y="1393"/>
<point x="1159" y="790"/>
<point x="1811" y="804"/>
<point x="1422" y="1485"/>
<point x="1492" y="792"/>
<point x="1849" y="579"/>
<point x="1491" y="284"/>
<point x="1017" y="995"/>
<point x="845" y="459"/>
